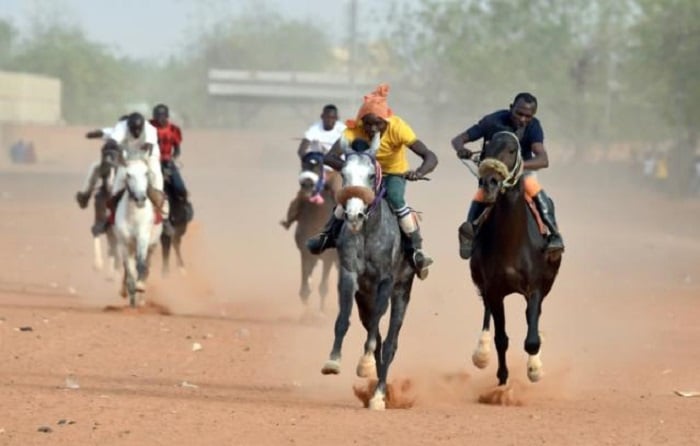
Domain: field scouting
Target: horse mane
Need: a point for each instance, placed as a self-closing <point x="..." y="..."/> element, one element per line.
<point x="492" y="165"/>
<point x="365" y="194"/>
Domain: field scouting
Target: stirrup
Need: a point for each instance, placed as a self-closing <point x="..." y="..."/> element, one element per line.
<point x="421" y="263"/>
<point x="555" y="243"/>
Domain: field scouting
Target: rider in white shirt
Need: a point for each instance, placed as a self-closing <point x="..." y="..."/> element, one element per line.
<point x="138" y="139"/>
<point x="319" y="137"/>
<point x="323" y="133"/>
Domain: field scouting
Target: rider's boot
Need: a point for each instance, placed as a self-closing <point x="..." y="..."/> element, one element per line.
<point x="420" y="260"/>
<point x="467" y="229"/>
<point x="545" y="206"/>
<point x="327" y="237"/>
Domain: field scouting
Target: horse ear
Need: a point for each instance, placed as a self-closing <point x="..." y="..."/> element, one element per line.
<point x="374" y="145"/>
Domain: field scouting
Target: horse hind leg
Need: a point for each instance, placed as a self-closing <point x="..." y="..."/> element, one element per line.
<point x="112" y="255"/>
<point x="327" y="263"/>
<point x="482" y="353"/>
<point x="177" y="243"/>
<point x="165" y="242"/>
<point x="533" y="340"/>
<point x="97" y="261"/>
<point x="367" y="365"/>
<point x="308" y="263"/>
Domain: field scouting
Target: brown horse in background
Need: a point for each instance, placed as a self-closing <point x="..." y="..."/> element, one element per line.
<point x="310" y="210"/>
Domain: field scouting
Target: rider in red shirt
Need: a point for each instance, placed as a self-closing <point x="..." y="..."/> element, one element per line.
<point x="169" y="141"/>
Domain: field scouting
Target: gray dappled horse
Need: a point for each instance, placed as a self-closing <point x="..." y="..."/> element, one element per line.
<point x="310" y="210"/>
<point x="509" y="255"/>
<point x="375" y="270"/>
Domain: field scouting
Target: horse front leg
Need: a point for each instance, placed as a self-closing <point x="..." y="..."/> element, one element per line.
<point x="482" y="353"/>
<point x="399" y="304"/>
<point x="347" y="285"/>
<point x="142" y="247"/>
<point x="533" y="341"/>
<point x="112" y="253"/>
<point x="129" y="285"/>
<point x="367" y="366"/>
<point x="308" y="263"/>
<point x="500" y="338"/>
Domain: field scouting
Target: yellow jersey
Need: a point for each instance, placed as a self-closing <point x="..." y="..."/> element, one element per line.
<point x="391" y="154"/>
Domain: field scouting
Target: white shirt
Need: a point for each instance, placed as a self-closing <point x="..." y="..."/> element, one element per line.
<point x="131" y="149"/>
<point x="132" y="146"/>
<point x="322" y="140"/>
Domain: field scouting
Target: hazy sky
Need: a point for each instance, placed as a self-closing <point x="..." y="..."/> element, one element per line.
<point x="143" y="28"/>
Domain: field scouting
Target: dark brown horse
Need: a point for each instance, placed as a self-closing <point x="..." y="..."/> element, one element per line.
<point x="508" y="255"/>
<point x="181" y="213"/>
<point x="310" y="210"/>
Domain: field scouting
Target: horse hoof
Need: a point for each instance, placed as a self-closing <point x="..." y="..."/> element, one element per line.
<point x="140" y="286"/>
<point x="534" y="369"/>
<point x="331" y="367"/>
<point x="367" y="367"/>
<point x="97" y="266"/>
<point x="377" y="403"/>
<point x="480" y="359"/>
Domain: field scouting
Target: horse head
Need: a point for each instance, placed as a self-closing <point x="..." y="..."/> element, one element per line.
<point x="501" y="165"/>
<point x="137" y="181"/>
<point x="311" y="174"/>
<point x="361" y="179"/>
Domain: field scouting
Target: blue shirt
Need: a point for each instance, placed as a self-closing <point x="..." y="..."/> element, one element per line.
<point x="500" y="121"/>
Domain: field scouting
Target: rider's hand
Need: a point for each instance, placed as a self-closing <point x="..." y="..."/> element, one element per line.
<point x="413" y="175"/>
<point x="464" y="153"/>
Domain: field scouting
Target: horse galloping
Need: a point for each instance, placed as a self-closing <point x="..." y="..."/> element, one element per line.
<point x="374" y="269"/>
<point x="310" y="209"/>
<point x="509" y="255"/>
<point x="137" y="227"/>
<point x="180" y="214"/>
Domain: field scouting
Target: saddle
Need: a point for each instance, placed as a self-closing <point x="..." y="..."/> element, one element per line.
<point x="530" y="205"/>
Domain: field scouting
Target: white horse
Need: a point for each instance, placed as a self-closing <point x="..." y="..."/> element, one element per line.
<point x="135" y="227"/>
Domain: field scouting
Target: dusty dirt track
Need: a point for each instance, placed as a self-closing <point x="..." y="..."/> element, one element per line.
<point x="621" y="325"/>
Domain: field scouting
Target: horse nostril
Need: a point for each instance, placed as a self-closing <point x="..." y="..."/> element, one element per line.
<point x="493" y="182"/>
<point x="361" y="216"/>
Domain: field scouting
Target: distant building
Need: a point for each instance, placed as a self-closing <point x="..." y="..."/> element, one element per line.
<point x="29" y="99"/>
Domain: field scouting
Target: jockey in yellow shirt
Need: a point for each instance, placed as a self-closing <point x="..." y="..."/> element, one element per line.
<point x="375" y="116"/>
